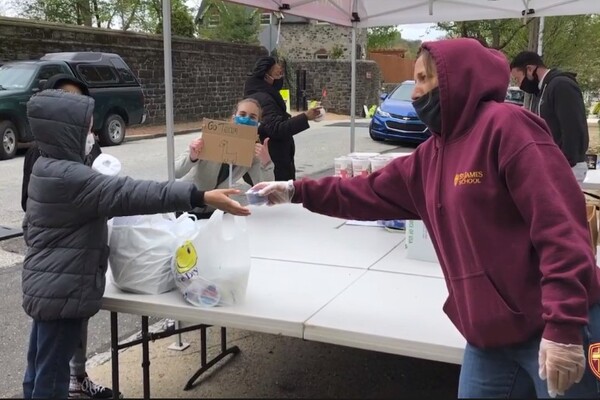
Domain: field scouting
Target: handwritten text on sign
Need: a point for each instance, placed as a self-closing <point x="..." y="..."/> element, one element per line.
<point x="229" y="143"/>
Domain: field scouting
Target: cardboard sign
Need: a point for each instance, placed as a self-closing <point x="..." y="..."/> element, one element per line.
<point x="229" y="143"/>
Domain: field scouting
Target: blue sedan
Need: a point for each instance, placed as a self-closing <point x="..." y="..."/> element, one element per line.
<point x="396" y="119"/>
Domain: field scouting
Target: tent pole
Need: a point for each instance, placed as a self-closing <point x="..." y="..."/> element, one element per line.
<point x="166" y="11"/>
<point x="353" y="90"/>
<point x="540" y="48"/>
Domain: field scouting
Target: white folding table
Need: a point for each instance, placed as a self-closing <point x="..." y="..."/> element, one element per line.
<point x="592" y="180"/>
<point x="310" y="279"/>
<point x="280" y="297"/>
<point x="292" y="233"/>
<point x="396" y="261"/>
<point x="393" y="313"/>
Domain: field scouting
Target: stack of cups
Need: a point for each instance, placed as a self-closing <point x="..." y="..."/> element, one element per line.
<point x="361" y="166"/>
<point x="380" y="161"/>
<point x="342" y="167"/>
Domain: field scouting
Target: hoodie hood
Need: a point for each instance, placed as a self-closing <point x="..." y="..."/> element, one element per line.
<point x="60" y="123"/>
<point x="555" y="73"/>
<point x="469" y="75"/>
<point x="60" y="79"/>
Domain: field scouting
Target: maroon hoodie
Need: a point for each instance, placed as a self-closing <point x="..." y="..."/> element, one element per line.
<point x="502" y="206"/>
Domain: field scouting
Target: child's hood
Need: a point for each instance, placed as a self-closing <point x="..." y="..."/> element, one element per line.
<point x="60" y="122"/>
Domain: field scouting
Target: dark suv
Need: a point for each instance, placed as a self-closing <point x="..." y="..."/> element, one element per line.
<point x="117" y="92"/>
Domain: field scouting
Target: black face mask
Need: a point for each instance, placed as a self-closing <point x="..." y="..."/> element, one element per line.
<point x="429" y="111"/>
<point x="531" y="86"/>
<point x="278" y="84"/>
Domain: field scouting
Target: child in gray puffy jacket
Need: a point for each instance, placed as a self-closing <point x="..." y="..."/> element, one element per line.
<point x="65" y="230"/>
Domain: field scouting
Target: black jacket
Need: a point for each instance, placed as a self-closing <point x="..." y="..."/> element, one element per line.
<point x="277" y="125"/>
<point x="563" y="109"/>
<point x="33" y="153"/>
<point x="69" y="203"/>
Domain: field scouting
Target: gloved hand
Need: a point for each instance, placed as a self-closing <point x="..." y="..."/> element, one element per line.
<point x="276" y="192"/>
<point x="562" y="364"/>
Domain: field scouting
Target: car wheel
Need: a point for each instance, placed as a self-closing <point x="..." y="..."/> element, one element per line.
<point x="113" y="130"/>
<point x="375" y="138"/>
<point x="8" y="140"/>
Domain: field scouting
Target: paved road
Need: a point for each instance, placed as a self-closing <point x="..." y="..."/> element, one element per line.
<point x="144" y="159"/>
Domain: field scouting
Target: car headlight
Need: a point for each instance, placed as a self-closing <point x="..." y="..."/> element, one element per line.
<point x="382" y="113"/>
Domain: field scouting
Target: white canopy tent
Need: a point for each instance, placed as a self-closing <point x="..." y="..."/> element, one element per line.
<point x="372" y="13"/>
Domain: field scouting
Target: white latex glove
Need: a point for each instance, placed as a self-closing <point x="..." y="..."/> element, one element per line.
<point x="562" y="364"/>
<point x="276" y="192"/>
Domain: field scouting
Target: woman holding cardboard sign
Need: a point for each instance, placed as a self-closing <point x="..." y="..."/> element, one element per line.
<point x="208" y="175"/>
<point x="264" y="84"/>
<point x="506" y="217"/>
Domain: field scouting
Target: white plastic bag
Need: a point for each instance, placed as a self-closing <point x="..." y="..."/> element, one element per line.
<point x="212" y="267"/>
<point x="141" y="251"/>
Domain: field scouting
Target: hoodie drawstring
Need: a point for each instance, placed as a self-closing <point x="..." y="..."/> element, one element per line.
<point x="440" y="164"/>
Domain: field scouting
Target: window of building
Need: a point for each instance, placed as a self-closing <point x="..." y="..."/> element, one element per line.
<point x="265" y="18"/>
<point x="322" y="54"/>
<point x="213" y="20"/>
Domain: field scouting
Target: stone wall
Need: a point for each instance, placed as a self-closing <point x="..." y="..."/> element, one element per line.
<point x="302" y="41"/>
<point x="335" y="76"/>
<point x="208" y="77"/>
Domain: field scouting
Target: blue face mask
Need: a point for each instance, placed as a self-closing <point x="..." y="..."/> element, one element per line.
<point x="238" y="119"/>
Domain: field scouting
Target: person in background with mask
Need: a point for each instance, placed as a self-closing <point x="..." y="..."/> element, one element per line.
<point x="507" y="220"/>
<point x="212" y="175"/>
<point x="560" y="103"/>
<point x="263" y="85"/>
<point x="65" y="229"/>
<point x="80" y="383"/>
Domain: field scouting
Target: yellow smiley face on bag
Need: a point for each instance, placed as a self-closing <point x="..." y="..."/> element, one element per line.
<point x="186" y="257"/>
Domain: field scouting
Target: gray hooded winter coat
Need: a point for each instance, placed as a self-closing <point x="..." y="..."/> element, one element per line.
<point x="68" y="207"/>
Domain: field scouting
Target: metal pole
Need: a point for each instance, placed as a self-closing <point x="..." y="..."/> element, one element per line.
<point x="270" y="33"/>
<point x="166" y="9"/>
<point x="353" y="89"/>
<point x="540" y="48"/>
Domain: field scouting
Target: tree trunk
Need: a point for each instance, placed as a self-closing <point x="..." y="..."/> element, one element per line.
<point x="532" y="45"/>
<point x="97" y="14"/>
<point x="84" y="16"/>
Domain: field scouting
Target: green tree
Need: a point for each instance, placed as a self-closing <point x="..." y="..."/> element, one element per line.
<point x="570" y="43"/>
<point x="182" y="22"/>
<point x="137" y="15"/>
<point x="383" y="37"/>
<point x="61" y="11"/>
<point x="496" y="34"/>
<point x="237" y="24"/>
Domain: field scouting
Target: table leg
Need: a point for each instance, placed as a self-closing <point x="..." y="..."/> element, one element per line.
<point x="114" y="351"/>
<point x="204" y="365"/>
<point x="145" y="358"/>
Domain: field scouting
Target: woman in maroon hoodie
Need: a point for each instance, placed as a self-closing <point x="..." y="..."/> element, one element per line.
<point x="507" y="220"/>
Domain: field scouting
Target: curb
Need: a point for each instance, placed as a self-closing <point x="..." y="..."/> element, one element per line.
<point x="134" y="138"/>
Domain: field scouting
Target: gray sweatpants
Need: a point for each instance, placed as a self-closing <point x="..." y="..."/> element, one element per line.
<point x="79" y="358"/>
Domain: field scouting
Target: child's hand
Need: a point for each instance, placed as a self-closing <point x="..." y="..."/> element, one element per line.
<point x="219" y="198"/>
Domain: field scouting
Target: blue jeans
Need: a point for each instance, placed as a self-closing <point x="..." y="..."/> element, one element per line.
<point x="512" y="372"/>
<point x="51" y="346"/>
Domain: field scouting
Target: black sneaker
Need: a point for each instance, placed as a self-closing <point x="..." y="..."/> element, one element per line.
<point x="81" y="388"/>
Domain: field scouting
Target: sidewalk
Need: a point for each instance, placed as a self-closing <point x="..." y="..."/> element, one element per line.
<point x="153" y="131"/>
